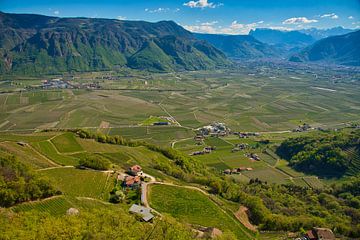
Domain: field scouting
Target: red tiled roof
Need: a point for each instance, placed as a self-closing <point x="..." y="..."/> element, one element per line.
<point x="136" y="168"/>
<point x="310" y="235"/>
<point x="130" y="180"/>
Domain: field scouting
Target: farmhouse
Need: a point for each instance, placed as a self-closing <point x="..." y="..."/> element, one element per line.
<point x="132" y="181"/>
<point x="253" y="156"/>
<point x="135" y="170"/>
<point x="143" y="211"/>
<point x="320" y="234"/>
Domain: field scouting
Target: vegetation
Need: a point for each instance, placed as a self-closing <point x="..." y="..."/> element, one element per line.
<point x="273" y="207"/>
<point x="96" y="162"/>
<point x="90" y="224"/>
<point x="161" y="46"/>
<point x="19" y="184"/>
<point x="324" y="155"/>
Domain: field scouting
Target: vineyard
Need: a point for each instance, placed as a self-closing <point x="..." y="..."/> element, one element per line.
<point x="354" y="156"/>
<point x="55" y="206"/>
<point x="81" y="183"/>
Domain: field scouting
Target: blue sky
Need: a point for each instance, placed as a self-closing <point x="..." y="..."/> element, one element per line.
<point x="211" y="16"/>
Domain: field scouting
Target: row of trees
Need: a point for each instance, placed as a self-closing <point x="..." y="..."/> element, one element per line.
<point x="19" y="184"/>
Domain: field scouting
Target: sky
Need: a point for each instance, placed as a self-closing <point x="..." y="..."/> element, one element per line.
<point x="207" y="16"/>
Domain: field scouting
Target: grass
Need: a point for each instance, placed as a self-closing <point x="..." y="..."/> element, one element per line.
<point x="193" y="207"/>
<point x="81" y="183"/>
<point x="66" y="143"/>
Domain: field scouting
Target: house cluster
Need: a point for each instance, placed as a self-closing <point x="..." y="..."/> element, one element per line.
<point x="206" y="150"/>
<point x="253" y="156"/>
<point x="246" y="134"/>
<point x="239" y="147"/>
<point x="302" y="128"/>
<point x="59" y="83"/>
<point x="318" y="234"/>
<point x="55" y="84"/>
<point x="133" y="180"/>
<point x="215" y="129"/>
<point x="237" y="170"/>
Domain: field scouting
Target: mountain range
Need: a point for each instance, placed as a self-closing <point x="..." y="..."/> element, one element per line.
<point x="342" y="49"/>
<point x="34" y="44"/>
<point x="324" y="33"/>
<point x="239" y="46"/>
<point x="39" y="44"/>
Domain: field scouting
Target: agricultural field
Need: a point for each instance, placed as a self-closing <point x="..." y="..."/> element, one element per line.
<point x="48" y="149"/>
<point x="66" y="143"/>
<point x="194" y="207"/>
<point x="57" y="205"/>
<point x="81" y="183"/>
<point x="256" y="102"/>
<point x="270" y="168"/>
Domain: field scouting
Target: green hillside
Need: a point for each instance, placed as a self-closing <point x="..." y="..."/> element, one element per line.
<point x="32" y="44"/>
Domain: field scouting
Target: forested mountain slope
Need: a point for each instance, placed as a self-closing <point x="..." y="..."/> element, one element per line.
<point x="39" y="44"/>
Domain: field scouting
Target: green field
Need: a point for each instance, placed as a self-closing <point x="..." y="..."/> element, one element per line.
<point x="194" y="207"/>
<point x="66" y="143"/>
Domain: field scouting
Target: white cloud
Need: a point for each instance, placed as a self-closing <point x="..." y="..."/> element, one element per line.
<point x="260" y="22"/>
<point x="299" y="20"/>
<point x="121" y="18"/>
<point x="209" y="23"/>
<point x="202" y="4"/>
<point x="157" y="10"/>
<point x="350" y="17"/>
<point x="330" y="15"/>
<point x="210" y="27"/>
<point x="56" y="12"/>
